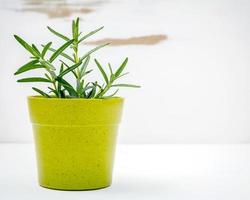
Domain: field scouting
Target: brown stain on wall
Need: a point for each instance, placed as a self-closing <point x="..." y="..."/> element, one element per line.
<point x="54" y="8"/>
<point x="64" y="2"/>
<point x="141" y="40"/>
<point x="58" y="11"/>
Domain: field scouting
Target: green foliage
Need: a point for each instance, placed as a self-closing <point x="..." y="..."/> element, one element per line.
<point x="74" y="64"/>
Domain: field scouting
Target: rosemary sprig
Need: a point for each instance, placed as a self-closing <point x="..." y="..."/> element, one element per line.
<point x="73" y="63"/>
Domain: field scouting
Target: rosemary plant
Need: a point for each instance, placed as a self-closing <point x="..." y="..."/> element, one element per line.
<point x="75" y="64"/>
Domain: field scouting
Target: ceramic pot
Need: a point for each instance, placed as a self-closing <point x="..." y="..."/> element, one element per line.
<point x="75" y="141"/>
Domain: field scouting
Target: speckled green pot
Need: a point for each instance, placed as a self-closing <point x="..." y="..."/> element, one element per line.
<point x="75" y="141"/>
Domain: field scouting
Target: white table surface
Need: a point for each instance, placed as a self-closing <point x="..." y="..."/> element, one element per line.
<point x="179" y="172"/>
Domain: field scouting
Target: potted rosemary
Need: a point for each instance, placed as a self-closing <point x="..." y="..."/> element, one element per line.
<point x="75" y="125"/>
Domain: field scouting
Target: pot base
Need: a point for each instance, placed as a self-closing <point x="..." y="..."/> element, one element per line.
<point x="78" y="189"/>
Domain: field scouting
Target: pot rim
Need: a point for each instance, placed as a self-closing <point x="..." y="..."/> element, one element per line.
<point x="73" y="99"/>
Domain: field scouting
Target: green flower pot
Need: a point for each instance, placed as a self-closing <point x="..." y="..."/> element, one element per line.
<point x="75" y="141"/>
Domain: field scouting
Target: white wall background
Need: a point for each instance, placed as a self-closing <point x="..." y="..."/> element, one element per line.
<point x="195" y="85"/>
